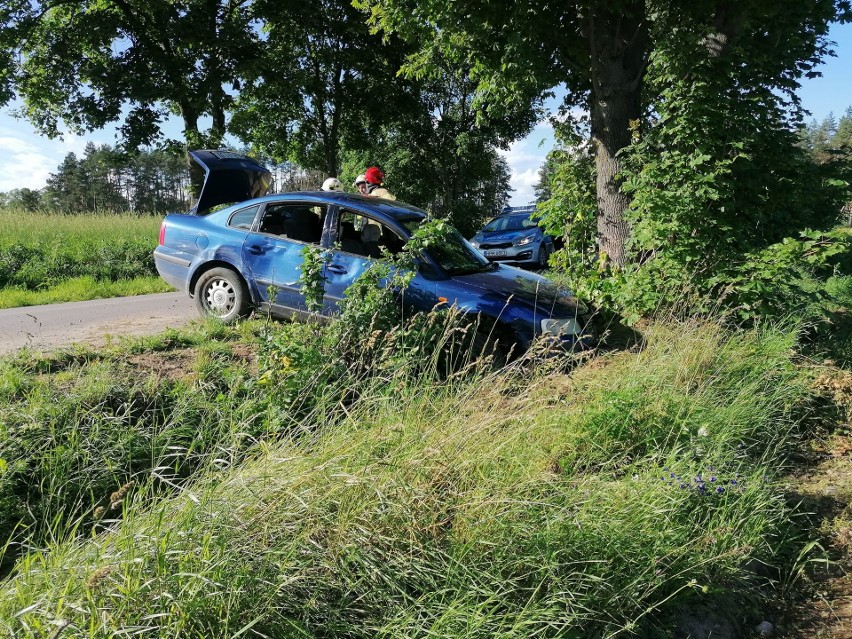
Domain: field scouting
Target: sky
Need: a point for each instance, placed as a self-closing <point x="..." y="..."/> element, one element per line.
<point x="26" y="158"/>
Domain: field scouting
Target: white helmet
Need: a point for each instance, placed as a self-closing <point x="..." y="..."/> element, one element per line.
<point x="332" y="184"/>
<point x="361" y="179"/>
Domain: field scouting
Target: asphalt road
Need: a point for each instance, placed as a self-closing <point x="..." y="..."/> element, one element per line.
<point x="48" y="327"/>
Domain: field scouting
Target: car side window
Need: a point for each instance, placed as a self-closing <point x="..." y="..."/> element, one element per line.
<point x="364" y="236"/>
<point x="300" y="222"/>
<point x="244" y="218"/>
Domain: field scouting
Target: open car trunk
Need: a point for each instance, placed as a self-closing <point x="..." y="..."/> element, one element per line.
<point x="226" y="178"/>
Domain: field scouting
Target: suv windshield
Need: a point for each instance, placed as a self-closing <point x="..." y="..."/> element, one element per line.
<point x="510" y="223"/>
<point x="456" y="256"/>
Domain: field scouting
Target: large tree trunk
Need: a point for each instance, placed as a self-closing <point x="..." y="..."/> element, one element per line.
<point x="617" y="43"/>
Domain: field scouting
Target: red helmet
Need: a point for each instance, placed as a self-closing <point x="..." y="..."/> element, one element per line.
<point x="374" y="175"/>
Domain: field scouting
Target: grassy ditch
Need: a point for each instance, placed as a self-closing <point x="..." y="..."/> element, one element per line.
<point x="47" y="258"/>
<point x="227" y="483"/>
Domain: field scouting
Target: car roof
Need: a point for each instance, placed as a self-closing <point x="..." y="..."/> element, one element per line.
<point x="391" y="208"/>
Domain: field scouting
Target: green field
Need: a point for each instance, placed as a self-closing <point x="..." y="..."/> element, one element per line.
<point x="47" y="258"/>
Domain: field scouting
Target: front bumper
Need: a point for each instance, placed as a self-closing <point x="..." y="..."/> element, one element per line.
<point x="527" y="254"/>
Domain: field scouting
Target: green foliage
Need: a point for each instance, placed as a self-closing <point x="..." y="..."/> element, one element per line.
<point x="80" y="425"/>
<point x="518" y="505"/>
<point x="33" y="267"/>
<point x="570" y="211"/>
<point x="84" y="287"/>
<point x="172" y="59"/>
<point x="46" y="257"/>
<point x="374" y="337"/>
<point x="719" y="216"/>
<point x="36" y="266"/>
<point x="22" y="199"/>
<point x="724" y="200"/>
<point x="311" y="280"/>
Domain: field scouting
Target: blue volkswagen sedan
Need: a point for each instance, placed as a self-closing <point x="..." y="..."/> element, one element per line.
<point x="240" y="250"/>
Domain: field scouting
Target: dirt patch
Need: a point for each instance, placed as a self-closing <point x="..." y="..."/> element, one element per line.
<point x="826" y="490"/>
<point x="180" y="363"/>
<point x="172" y="365"/>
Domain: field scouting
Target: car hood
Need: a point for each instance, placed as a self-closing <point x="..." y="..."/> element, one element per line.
<point x="522" y="287"/>
<point x="227" y="178"/>
<point x="502" y="236"/>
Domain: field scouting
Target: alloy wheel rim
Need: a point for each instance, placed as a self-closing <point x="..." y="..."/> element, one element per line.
<point x="220" y="297"/>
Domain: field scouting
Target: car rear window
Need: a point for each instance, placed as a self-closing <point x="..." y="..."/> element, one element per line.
<point x="244" y="218"/>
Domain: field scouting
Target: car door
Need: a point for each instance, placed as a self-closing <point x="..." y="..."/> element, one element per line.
<point x="272" y="253"/>
<point x="359" y="240"/>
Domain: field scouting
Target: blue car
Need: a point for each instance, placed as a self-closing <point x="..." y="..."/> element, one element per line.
<point x="240" y="250"/>
<point x="514" y="238"/>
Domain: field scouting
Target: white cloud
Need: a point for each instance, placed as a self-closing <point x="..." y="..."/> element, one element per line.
<point x="523" y="184"/>
<point x="27" y="159"/>
<point x="525" y="158"/>
<point x="22" y="163"/>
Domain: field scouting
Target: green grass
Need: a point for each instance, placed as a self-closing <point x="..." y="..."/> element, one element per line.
<point x="516" y="504"/>
<point x="27" y="227"/>
<point x="82" y="288"/>
<point x="49" y="258"/>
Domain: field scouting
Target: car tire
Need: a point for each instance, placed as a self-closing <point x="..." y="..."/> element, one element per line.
<point x="543" y="254"/>
<point x="490" y="350"/>
<point x="221" y="293"/>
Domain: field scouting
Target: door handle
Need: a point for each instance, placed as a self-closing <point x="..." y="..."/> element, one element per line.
<point x="255" y="249"/>
<point x="337" y="269"/>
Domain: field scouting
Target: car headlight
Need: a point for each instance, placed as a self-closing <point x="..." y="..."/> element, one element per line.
<point x="475" y="243"/>
<point x="525" y="240"/>
<point x="554" y="326"/>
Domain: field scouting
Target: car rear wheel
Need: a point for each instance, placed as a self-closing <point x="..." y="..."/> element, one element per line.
<point x="221" y="293"/>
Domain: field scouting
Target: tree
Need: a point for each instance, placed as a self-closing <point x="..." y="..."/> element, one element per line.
<point x="82" y="62"/>
<point x="24" y="199"/>
<point x="109" y="180"/>
<point x="600" y="51"/>
<point x="829" y="144"/>
<point x="323" y="85"/>
<point x="88" y="185"/>
<point x="156" y="181"/>
<point x="65" y="190"/>
<point x="441" y="156"/>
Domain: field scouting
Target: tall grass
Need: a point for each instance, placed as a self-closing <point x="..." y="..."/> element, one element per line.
<point x="41" y="252"/>
<point x="28" y="227"/>
<point x="521" y="503"/>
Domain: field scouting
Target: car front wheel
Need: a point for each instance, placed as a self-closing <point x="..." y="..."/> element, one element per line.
<point x="221" y="293"/>
<point x="543" y="254"/>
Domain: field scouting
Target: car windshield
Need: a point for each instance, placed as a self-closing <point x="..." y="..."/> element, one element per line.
<point x="455" y="255"/>
<point x="510" y="223"/>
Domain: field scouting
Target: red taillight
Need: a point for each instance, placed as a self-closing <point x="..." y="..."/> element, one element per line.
<point x="163" y="233"/>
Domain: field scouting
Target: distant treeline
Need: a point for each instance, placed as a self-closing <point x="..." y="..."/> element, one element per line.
<point x="108" y="180"/>
<point x="829" y="137"/>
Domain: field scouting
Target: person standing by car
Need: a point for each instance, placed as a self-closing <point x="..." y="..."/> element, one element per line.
<point x="332" y="184"/>
<point x="375" y="177"/>
<point x="361" y="184"/>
